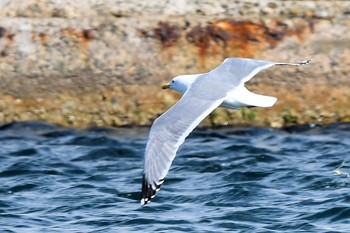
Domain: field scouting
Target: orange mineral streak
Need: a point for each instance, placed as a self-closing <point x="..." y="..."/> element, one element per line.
<point x="83" y="38"/>
<point x="241" y="38"/>
<point x="166" y="33"/>
<point x="43" y="37"/>
<point x="9" y="37"/>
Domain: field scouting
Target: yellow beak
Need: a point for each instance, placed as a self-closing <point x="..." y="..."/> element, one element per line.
<point x="166" y="86"/>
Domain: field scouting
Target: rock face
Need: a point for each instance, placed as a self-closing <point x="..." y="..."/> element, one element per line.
<point x="97" y="62"/>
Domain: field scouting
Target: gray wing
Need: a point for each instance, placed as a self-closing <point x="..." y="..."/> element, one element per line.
<point x="241" y="70"/>
<point x="169" y="131"/>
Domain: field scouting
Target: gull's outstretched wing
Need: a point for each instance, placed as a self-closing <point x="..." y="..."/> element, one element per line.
<point x="169" y="131"/>
<point x="243" y="69"/>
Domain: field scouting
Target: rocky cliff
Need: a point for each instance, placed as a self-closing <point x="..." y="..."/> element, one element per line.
<point x="97" y="62"/>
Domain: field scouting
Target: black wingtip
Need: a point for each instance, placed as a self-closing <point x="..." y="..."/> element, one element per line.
<point x="305" y="62"/>
<point x="148" y="193"/>
<point x="300" y="63"/>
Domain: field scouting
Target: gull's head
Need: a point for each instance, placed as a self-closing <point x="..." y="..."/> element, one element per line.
<point x="181" y="83"/>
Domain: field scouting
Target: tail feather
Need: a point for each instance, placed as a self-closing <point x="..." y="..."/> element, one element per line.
<point x="246" y="98"/>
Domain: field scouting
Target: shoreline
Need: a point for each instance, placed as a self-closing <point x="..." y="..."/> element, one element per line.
<point x="47" y="127"/>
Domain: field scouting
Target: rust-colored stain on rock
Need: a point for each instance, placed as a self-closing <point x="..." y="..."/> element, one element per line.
<point x="240" y="38"/>
<point x="4" y="33"/>
<point x="167" y="33"/>
<point x="83" y="37"/>
<point x="43" y="37"/>
<point x="227" y="36"/>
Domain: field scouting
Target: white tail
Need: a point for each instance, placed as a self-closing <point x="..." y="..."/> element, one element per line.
<point x="245" y="98"/>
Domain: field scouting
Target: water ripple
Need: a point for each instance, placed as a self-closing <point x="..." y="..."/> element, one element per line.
<point x="57" y="179"/>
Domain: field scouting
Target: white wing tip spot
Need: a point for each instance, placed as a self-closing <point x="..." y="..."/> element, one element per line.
<point x="144" y="201"/>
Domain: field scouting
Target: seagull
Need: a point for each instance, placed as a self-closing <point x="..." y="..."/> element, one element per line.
<point x="202" y="93"/>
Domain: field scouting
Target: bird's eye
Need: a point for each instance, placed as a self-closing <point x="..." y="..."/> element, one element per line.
<point x="172" y="81"/>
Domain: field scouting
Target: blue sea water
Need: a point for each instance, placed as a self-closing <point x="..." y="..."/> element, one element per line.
<point x="55" y="179"/>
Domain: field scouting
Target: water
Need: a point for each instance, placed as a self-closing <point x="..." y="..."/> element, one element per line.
<point x="223" y="180"/>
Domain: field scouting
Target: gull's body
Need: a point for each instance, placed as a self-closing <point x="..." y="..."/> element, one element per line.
<point x="240" y="97"/>
<point x="202" y="93"/>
